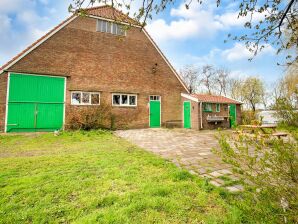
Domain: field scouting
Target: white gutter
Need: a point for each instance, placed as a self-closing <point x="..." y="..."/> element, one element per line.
<point x="201" y="115"/>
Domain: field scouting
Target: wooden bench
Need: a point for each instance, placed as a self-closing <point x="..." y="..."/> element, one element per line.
<point x="279" y="134"/>
<point x="173" y="124"/>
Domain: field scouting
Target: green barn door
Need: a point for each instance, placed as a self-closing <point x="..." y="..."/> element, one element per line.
<point x="155" y="114"/>
<point x="233" y="115"/>
<point x="35" y="103"/>
<point x="186" y="115"/>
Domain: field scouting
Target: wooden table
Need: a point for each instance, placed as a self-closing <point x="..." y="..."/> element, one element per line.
<point x="263" y="128"/>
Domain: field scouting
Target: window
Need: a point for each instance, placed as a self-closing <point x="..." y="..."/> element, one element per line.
<point x="207" y="107"/>
<point x="155" y="98"/>
<point x="129" y="100"/>
<point x="110" y="27"/>
<point x="217" y="107"/>
<point x="85" y="98"/>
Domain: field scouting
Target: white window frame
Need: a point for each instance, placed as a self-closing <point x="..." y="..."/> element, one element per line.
<point x="119" y="31"/>
<point x="84" y="104"/>
<point x="124" y="105"/>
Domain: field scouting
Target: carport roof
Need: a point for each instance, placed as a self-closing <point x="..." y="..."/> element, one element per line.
<point x="214" y="99"/>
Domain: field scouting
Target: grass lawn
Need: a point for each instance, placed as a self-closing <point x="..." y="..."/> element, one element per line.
<point x="87" y="177"/>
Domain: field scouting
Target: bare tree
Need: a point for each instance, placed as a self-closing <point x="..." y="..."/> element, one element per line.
<point x="190" y="76"/>
<point x="222" y="79"/>
<point x="208" y="78"/>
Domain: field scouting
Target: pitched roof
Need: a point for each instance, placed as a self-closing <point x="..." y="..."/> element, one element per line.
<point x="36" y="43"/>
<point x="105" y="11"/>
<point x="108" y="12"/>
<point x="214" y="99"/>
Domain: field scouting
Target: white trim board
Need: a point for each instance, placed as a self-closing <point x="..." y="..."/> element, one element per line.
<point x="63" y="125"/>
<point x="6" y="106"/>
<point x="187" y="96"/>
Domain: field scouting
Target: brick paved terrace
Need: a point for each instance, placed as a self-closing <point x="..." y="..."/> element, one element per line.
<point x="189" y="149"/>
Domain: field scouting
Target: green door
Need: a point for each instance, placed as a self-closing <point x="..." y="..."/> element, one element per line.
<point x="35" y="103"/>
<point x="233" y="120"/>
<point x="186" y="115"/>
<point x="154" y="114"/>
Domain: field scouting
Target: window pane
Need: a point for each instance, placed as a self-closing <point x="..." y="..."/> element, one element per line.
<point x="103" y="26"/>
<point x="207" y="107"/>
<point x="76" y="98"/>
<point x="109" y="24"/>
<point x="86" y="98"/>
<point x="124" y="99"/>
<point x="156" y="98"/>
<point x="98" y="28"/>
<point x="94" y="98"/>
<point x="116" y="99"/>
<point x="114" y="30"/>
<point x="132" y="100"/>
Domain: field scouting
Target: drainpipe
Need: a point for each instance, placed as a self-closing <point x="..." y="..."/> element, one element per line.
<point x="201" y="116"/>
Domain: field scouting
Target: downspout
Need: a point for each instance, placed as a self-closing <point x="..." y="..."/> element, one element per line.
<point x="201" y="116"/>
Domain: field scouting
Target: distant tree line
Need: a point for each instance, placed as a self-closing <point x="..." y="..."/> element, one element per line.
<point x="251" y="90"/>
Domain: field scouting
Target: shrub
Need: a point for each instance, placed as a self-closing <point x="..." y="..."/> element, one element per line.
<point x="287" y="112"/>
<point x="269" y="169"/>
<point x="87" y="118"/>
<point x="247" y="117"/>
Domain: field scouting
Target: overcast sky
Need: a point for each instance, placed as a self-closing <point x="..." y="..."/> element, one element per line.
<point x="195" y="36"/>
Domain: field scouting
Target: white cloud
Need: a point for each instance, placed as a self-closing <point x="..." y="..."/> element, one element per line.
<point x="8" y="6"/>
<point x="191" y="23"/>
<point x="23" y="21"/>
<point x="239" y="52"/>
<point x="197" y="21"/>
<point x="5" y="23"/>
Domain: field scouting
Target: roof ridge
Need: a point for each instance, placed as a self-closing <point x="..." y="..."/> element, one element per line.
<point x="97" y="7"/>
<point x="214" y="98"/>
<point x="115" y="11"/>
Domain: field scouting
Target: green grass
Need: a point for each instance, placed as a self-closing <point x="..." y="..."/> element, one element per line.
<point x="88" y="177"/>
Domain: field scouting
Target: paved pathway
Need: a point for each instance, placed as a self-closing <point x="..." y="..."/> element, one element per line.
<point x="186" y="148"/>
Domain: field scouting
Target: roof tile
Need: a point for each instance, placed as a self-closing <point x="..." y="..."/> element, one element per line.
<point x="109" y="12"/>
<point x="214" y="99"/>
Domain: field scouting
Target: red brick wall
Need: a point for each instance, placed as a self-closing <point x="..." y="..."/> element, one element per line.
<point x="107" y="63"/>
<point x="3" y="89"/>
<point x="238" y="114"/>
<point x="224" y="111"/>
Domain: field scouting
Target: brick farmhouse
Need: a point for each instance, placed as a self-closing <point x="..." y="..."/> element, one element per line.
<point x="101" y="60"/>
